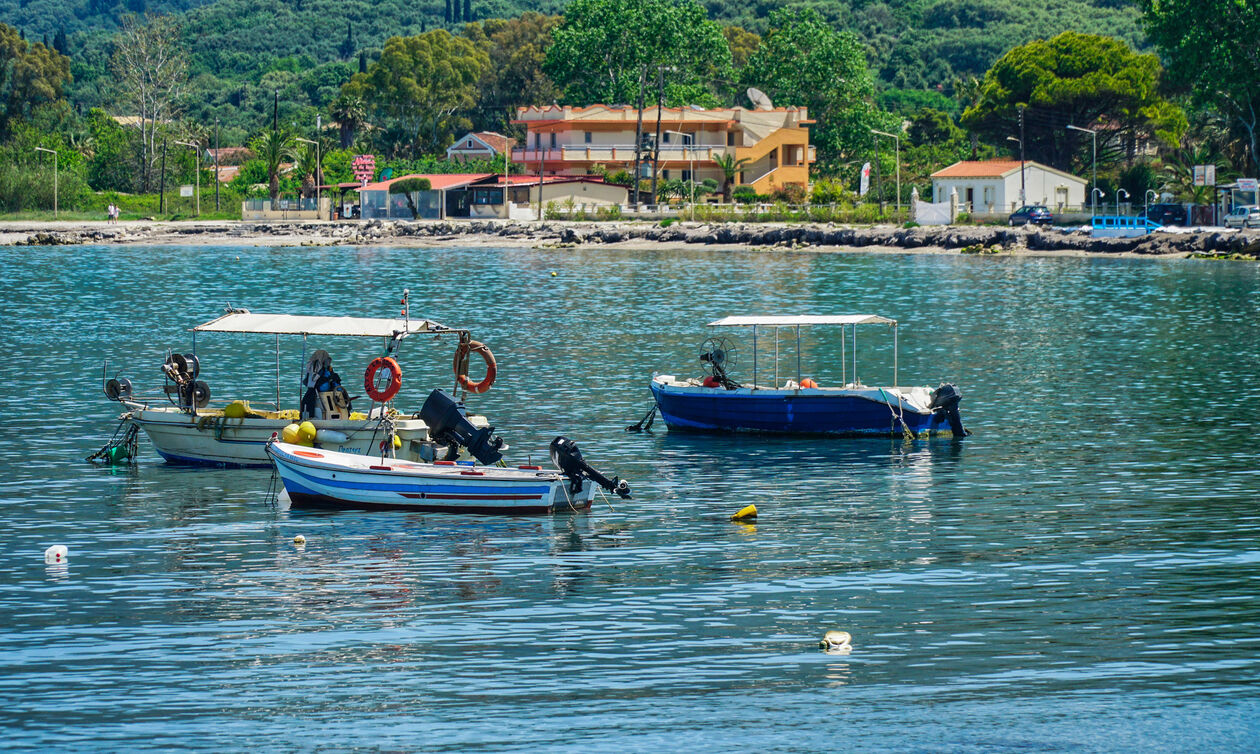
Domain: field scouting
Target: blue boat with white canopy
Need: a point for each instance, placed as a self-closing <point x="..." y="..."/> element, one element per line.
<point x="795" y="404"/>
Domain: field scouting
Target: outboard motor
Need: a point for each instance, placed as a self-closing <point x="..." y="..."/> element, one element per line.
<point x="945" y="401"/>
<point x="448" y="424"/>
<point x="566" y="456"/>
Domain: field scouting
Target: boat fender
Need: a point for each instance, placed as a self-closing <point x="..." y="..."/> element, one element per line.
<point x="56" y="554"/>
<point x="330" y="436"/>
<point x="306" y="434"/>
<point x="711" y="382"/>
<point x="808" y="384"/>
<point x="382" y="379"/>
<point x="945" y="401"/>
<point x="462" y="351"/>
<point x="289" y="434"/>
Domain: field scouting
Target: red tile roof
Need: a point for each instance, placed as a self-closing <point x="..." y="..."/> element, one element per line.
<point x="978" y="169"/>
<point x="439" y="181"/>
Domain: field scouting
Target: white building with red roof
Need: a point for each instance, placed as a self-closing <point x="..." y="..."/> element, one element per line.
<point x="993" y="186"/>
<point x="479" y="145"/>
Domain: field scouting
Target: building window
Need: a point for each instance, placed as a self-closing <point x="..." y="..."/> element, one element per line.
<point x="665" y="137"/>
<point x="537" y="140"/>
<point x="553" y="141"/>
<point x="665" y="174"/>
<point x="588" y="137"/>
<point x="686" y="175"/>
<point x="488" y="196"/>
<point x="730" y="138"/>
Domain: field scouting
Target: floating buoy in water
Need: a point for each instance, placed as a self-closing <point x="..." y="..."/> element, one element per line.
<point x="289" y="434"/>
<point x="299" y="540"/>
<point x="56" y="554"/>
<point x="553" y="274"/>
<point x="745" y="513"/>
<point x="836" y="641"/>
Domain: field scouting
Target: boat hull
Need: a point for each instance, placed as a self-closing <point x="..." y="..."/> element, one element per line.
<point x="218" y="441"/>
<point x="330" y="480"/>
<point x="854" y="412"/>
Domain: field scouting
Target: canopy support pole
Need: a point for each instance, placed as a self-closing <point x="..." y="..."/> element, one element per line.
<point x="300" y="386"/>
<point x="856" y="381"/>
<point x="754" y="385"/>
<point x="798" y="357"/>
<point x="776" y="358"/>
<point x="895" y="383"/>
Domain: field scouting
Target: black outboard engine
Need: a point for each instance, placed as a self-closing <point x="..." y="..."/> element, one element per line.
<point x="945" y="401"/>
<point x="448" y="424"/>
<point x="566" y="456"/>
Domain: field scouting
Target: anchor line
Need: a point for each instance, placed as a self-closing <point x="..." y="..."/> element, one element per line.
<point x="898" y="416"/>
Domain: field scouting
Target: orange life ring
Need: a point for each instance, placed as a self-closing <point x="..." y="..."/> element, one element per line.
<point x="461" y="366"/>
<point x="395" y="379"/>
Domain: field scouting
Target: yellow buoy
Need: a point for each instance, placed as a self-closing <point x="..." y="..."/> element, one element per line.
<point x="236" y="410"/>
<point x="299" y="540"/>
<point x="745" y="513"/>
<point x="836" y="641"/>
<point x="306" y="433"/>
<point x="289" y="434"/>
<point x="553" y="274"/>
<point x="397" y="442"/>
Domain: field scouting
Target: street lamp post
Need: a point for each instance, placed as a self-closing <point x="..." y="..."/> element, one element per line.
<point x="1094" y="134"/>
<point x="318" y="169"/>
<point x="691" y="169"/>
<point x="1023" y="195"/>
<point x="1147" y="197"/>
<point x="196" y="172"/>
<point x="53" y="152"/>
<point x="897" y="159"/>
<point x="1093" y="195"/>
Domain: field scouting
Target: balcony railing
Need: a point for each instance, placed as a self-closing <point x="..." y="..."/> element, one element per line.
<point x="619" y="153"/>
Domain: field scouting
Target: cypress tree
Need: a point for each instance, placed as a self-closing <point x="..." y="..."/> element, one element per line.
<point x="60" y="42"/>
<point x="362" y="62"/>
<point x="347" y="47"/>
<point x="448" y="11"/>
<point x="468" y="10"/>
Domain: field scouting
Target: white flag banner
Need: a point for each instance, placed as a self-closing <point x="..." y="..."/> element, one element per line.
<point x="866" y="180"/>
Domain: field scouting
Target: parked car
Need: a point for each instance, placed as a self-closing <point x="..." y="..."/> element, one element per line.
<point x="1245" y="216"/>
<point x="1037" y="214"/>
<point x="1166" y="214"/>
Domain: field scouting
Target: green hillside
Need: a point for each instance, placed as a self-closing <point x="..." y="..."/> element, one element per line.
<point x="242" y="51"/>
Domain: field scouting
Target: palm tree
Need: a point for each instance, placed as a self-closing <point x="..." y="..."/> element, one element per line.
<point x="730" y="168"/>
<point x="307" y="167"/>
<point x="348" y="112"/>
<point x="273" y="147"/>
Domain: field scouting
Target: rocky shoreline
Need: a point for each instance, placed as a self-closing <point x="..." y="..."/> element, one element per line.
<point x="951" y="239"/>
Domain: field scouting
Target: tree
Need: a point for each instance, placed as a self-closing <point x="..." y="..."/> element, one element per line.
<point x="517" y="49"/>
<point x="803" y="61"/>
<point x="743" y="44"/>
<point x="1075" y="79"/>
<point x="30" y="75"/>
<point x="1210" y="46"/>
<point x="420" y="82"/>
<point x="150" y="69"/>
<point x="273" y="147"/>
<point x="730" y="168"/>
<point x="408" y="186"/>
<point x="348" y="112"/>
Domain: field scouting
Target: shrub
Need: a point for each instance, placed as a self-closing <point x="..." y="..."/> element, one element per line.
<point x="667" y="222"/>
<point x="789" y="193"/>
<point x="744" y="194"/>
<point x="609" y="212"/>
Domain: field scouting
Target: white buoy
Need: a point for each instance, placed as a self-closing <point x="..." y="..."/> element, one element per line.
<point x="299" y="540"/>
<point x="56" y="554"/>
<point x="837" y="642"/>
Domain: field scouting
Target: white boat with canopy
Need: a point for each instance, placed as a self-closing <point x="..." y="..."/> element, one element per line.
<point x="794" y="403"/>
<point x="187" y="426"/>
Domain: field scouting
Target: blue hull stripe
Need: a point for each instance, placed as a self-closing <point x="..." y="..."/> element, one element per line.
<point x="434" y="488"/>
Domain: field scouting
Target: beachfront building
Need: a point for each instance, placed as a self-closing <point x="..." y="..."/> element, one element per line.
<point x="481" y="195"/>
<point x="991" y="187"/>
<point x="570" y="141"/>
<point x="479" y="145"/>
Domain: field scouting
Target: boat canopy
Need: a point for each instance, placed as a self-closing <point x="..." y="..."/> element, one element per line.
<point x="291" y="324"/>
<point x="803" y="319"/>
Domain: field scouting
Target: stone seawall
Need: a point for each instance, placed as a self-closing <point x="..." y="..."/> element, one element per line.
<point x="757" y="235"/>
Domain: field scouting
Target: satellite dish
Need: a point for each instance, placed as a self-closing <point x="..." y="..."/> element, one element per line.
<point x="759" y="99"/>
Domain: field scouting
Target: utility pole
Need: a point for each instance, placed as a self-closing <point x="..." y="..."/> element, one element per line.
<point x="216" y="164"/>
<point x="879" y="183"/>
<point x="1023" y="194"/>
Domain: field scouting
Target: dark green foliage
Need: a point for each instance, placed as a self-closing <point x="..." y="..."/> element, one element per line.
<point x="113" y="164"/>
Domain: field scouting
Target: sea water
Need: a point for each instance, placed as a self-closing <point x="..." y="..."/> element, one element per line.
<point x="1079" y="574"/>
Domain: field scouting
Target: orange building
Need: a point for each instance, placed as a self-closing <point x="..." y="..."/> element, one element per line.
<point x="562" y="140"/>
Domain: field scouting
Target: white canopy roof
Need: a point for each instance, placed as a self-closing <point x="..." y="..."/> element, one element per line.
<point x="290" y="324"/>
<point x="804" y="319"/>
